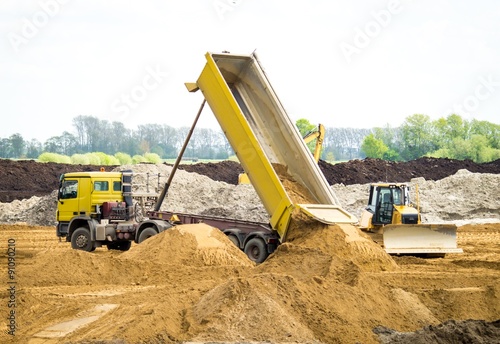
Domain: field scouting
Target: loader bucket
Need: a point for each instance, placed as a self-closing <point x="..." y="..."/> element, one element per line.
<point x="421" y="238"/>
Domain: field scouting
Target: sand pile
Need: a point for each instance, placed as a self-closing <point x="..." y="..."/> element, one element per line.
<point x="316" y="286"/>
<point x="74" y="267"/>
<point x="319" y="270"/>
<point x="343" y="241"/>
<point x="194" y="245"/>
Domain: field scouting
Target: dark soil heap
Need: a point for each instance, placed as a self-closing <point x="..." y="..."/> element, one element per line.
<point x="26" y="178"/>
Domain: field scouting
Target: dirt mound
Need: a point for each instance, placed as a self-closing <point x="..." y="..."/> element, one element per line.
<point x="235" y="309"/>
<point x="190" y="245"/>
<point x="319" y="288"/>
<point x="25" y="178"/>
<point x="92" y="268"/>
<point x="225" y="171"/>
<point x="375" y="170"/>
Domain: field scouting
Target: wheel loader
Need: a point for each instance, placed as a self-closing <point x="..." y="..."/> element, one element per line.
<point x="395" y="223"/>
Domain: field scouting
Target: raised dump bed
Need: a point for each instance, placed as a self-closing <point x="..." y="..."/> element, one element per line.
<point x="261" y="134"/>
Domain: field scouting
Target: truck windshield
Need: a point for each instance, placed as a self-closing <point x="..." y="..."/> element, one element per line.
<point x="68" y="189"/>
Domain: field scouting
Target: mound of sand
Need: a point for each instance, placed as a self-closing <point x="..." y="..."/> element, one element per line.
<point x="74" y="267"/>
<point x="192" y="245"/>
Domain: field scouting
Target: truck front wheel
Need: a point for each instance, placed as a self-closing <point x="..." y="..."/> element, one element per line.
<point x="146" y="234"/>
<point x="256" y="250"/>
<point x="80" y="240"/>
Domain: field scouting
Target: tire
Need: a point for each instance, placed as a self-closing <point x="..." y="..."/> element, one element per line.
<point x="80" y="240"/>
<point x="146" y="234"/>
<point x="234" y="240"/>
<point x="120" y="245"/>
<point x="256" y="250"/>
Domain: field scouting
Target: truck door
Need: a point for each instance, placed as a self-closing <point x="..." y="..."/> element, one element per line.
<point x="68" y="200"/>
<point x="73" y="198"/>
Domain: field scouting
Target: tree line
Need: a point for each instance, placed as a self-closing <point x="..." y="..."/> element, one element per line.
<point x="91" y="134"/>
<point x="450" y="137"/>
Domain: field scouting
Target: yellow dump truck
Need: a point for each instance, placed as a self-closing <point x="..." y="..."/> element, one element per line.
<point x="262" y="135"/>
<point x="99" y="210"/>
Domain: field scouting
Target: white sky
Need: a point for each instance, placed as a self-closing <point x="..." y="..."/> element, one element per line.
<point x="342" y="63"/>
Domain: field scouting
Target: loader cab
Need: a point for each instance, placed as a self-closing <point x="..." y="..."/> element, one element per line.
<point x="385" y="199"/>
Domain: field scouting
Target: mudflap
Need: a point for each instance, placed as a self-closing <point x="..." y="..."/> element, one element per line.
<point x="421" y="238"/>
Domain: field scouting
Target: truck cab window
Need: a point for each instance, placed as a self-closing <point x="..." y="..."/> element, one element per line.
<point x="68" y="189"/>
<point x="101" y="186"/>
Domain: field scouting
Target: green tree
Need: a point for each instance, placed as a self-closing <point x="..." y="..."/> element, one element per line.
<point x="33" y="149"/>
<point x="391" y="138"/>
<point x="416" y="135"/>
<point x="5" y="148"/>
<point x="490" y="130"/>
<point x="373" y="147"/>
<point x="18" y="145"/>
<point x="304" y="126"/>
<point x="449" y="128"/>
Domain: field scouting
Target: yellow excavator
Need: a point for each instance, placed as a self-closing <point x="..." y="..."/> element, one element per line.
<point x="395" y="223"/>
<point x="317" y="133"/>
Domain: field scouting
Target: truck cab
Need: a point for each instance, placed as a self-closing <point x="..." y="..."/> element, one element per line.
<point x="82" y="194"/>
<point x="96" y="208"/>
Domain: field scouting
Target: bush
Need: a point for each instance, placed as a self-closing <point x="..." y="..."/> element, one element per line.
<point x="152" y="158"/>
<point x="137" y="159"/>
<point x="107" y="160"/>
<point x="94" y="159"/>
<point x="123" y="158"/>
<point x="80" y="159"/>
<point x="54" y="157"/>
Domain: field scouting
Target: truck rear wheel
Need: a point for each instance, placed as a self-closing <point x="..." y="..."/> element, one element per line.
<point x="234" y="240"/>
<point x="80" y="240"/>
<point x="256" y="250"/>
<point x="146" y="234"/>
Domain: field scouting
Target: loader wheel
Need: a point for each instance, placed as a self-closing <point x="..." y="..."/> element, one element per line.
<point x="256" y="250"/>
<point x="80" y="240"/>
<point x="146" y="234"/>
<point x="120" y="245"/>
